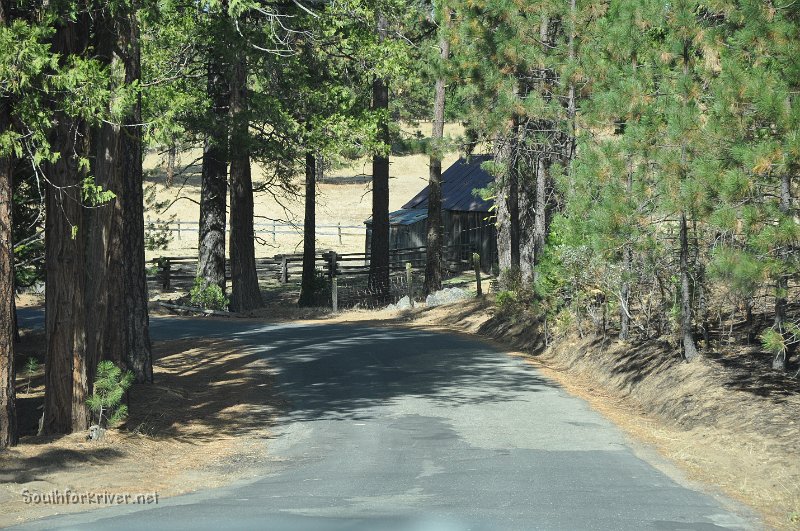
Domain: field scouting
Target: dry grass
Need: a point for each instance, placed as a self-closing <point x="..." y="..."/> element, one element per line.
<point x="344" y="197"/>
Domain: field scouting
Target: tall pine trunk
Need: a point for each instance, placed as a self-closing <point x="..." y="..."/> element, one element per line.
<point x="782" y="282"/>
<point x="541" y="210"/>
<point x="433" y="254"/>
<point x="245" y="294"/>
<point x="8" y="414"/>
<point x="309" y="234"/>
<point x="507" y="209"/>
<point x="627" y="270"/>
<point x="137" y="331"/>
<point x="105" y="308"/>
<point x="379" y="252"/>
<point x="213" y="186"/>
<point x="66" y="378"/>
<point x="687" y="336"/>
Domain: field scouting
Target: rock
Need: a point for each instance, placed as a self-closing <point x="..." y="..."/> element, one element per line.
<point x="404" y="304"/>
<point x="446" y="296"/>
<point x="95" y="433"/>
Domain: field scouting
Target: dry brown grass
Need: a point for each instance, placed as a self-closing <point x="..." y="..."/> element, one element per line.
<point x="344" y="197"/>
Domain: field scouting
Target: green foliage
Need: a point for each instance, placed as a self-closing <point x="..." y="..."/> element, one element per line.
<point x="208" y="296"/>
<point x="31" y="366"/>
<point x="110" y="386"/>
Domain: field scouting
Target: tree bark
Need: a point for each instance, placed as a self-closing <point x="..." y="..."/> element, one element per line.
<point x="433" y="251"/>
<point x="627" y="270"/>
<point x="138" y="348"/>
<point x="8" y="414"/>
<point x="782" y="282"/>
<point x="309" y="234"/>
<point x="507" y="208"/>
<point x="245" y="293"/>
<point x="66" y="379"/>
<point x="379" y="253"/>
<point x="105" y="308"/>
<point x="689" y="347"/>
<point x="213" y="187"/>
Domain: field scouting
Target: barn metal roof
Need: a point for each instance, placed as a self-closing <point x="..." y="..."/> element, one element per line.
<point x="458" y="183"/>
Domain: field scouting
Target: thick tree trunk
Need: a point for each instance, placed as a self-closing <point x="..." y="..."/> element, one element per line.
<point x="379" y="253"/>
<point x="433" y="254"/>
<point x="245" y="294"/>
<point x="213" y="187"/>
<point x="309" y="234"/>
<point x="689" y="347"/>
<point x="8" y="414"/>
<point x="782" y="282"/>
<point x="66" y="379"/>
<point x="138" y="348"/>
<point x="105" y="308"/>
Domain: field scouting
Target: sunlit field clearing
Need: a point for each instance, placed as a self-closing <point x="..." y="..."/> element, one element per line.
<point x="344" y="198"/>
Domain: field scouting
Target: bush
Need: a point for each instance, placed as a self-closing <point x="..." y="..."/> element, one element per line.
<point x="208" y="296"/>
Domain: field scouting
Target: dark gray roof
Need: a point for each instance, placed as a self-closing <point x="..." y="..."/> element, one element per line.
<point x="458" y="182"/>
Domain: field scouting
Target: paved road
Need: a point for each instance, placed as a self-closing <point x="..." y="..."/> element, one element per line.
<point x="391" y="429"/>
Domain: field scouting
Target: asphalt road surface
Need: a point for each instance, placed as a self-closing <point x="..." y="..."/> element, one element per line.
<point x="391" y="429"/>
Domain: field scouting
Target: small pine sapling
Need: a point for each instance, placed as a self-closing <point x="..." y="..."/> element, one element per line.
<point x="106" y="400"/>
<point x="31" y="366"/>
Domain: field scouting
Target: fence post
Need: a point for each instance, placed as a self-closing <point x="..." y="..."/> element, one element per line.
<point x="339" y="227"/>
<point x="410" y="282"/>
<point x="164" y="267"/>
<point x="284" y="270"/>
<point x="274" y="227"/>
<point x="179" y="229"/>
<point x="334" y="281"/>
<point x="476" y="263"/>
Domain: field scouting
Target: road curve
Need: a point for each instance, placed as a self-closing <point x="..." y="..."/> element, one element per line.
<point x="399" y="429"/>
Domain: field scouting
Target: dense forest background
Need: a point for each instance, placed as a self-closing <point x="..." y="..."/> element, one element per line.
<point x="645" y="155"/>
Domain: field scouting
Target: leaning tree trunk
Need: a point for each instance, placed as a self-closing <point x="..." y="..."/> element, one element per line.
<point x="433" y="249"/>
<point x="782" y="282"/>
<point x="139" y="352"/>
<point x="309" y="234"/>
<point x="8" y="414"/>
<point x="66" y="378"/>
<point x="213" y="186"/>
<point x="245" y="294"/>
<point x="379" y="253"/>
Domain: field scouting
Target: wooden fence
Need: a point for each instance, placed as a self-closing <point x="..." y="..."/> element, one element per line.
<point x="269" y="230"/>
<point x="179" y="272"/>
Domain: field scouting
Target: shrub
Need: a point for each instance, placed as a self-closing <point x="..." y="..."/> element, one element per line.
<point x="208" y="296"/>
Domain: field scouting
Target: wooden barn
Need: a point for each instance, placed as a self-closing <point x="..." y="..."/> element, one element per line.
<point x="467" y="228"/>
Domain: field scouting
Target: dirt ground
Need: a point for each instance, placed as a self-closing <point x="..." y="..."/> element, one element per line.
<point x="183" y="434"/>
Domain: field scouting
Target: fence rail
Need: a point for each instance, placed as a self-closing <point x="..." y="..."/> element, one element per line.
<point x="272" y="230"/>
<point x="179" y="272"/>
